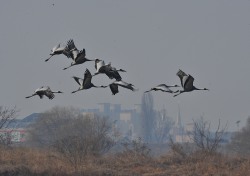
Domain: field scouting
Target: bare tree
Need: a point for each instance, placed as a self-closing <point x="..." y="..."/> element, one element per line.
<point x="203" y="138"/>
<point x="203" y="142"/>
<point x="148" y="115"/>
<point x="162" y="126"/>
<point x="7" y="116"/>
<point x="135" y="151"/>
<point x="73" y="135"/>
<point x="49" y="126"/>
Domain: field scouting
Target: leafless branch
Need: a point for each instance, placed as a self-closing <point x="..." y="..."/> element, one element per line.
<point x="204" y="138"/>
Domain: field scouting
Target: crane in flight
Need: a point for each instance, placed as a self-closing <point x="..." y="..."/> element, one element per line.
<point x="85" y="83"/>
<point x="78" y="57"/>
<point x="44" y="91"/>
<point x="114" y="86"/>
<point x="57" y="50"/>
<point x="186" y="83"/>
<point x="111" y="72"/>
<point x="163" y="88"/>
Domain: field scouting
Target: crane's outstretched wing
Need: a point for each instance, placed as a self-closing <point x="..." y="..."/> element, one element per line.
<point x="83" y="52"/>
<point x="114" y="88"/>
<point x="49" y="94"/>
<point x="114" y="74"/>
<point x="188" y="82"/>
<point x="87" y="77"/>
<point x="164" y="88"/>
<point x="40" y="93"/>
<point x="78" y="80"/>
<point x="161" y="87"/>
<point x="55" y="47"/>
<point x="79" y="57"/>
<point x="125" y="85"/>
<point x="71" y="49"/>
<point x="181" y="74"/>
<point x="111" y="72"/>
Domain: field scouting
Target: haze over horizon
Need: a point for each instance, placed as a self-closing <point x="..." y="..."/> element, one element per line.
<point x="151" y="40"/>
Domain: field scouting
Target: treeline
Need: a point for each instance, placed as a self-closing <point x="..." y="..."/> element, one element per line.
<point x="63" y="141"/>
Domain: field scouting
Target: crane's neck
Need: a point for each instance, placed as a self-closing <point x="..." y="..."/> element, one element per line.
<point x="195" y="88"/>
<point x="88" y="59"/>
<point x="57" y="92"/>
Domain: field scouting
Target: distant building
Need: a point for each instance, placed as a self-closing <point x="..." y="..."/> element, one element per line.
<point x="16" y="131"/>
<point x="127" y="121"/>
<point x="104" y="108"/>
<point x="116" y="108"/>
<point x="13" y="135"/>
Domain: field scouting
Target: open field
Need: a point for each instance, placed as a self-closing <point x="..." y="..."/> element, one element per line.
<point x="25" y="161"/>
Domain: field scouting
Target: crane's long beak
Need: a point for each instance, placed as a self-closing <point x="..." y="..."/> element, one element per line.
<point x="67" y="67"/>
<point x="29" y="96"/>
<point x="75" y="91"/>
<point x="48" y="58"/>
<point x="121" y="70"/>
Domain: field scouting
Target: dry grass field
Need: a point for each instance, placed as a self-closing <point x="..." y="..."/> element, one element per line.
<point x="29" y="162"/>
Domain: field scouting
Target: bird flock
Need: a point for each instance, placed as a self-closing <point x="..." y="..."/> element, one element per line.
<point x="79" y="57"/>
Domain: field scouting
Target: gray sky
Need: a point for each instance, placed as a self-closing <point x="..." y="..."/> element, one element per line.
<point x="151" y="40"/>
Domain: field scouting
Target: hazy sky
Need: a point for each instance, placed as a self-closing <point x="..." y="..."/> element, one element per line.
<point x="151" y="40"/>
